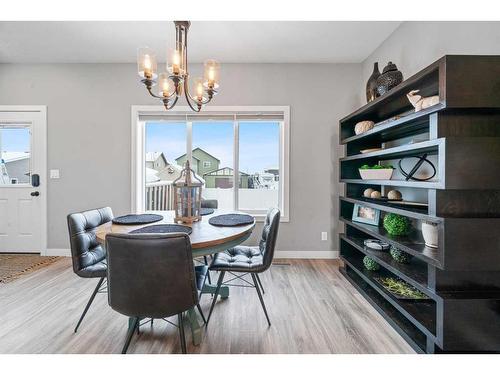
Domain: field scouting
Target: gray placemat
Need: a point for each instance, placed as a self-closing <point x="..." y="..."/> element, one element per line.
<point x="137" y="219"/>
<point x="206" y="211"/>
<point x="164" y="228"/>
<point x="231" y="220"/>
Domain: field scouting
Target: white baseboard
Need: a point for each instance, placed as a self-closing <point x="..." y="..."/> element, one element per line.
<point x="58" y="252"/>
<point x="277" y="254"/>
<point x="307" y="254"/>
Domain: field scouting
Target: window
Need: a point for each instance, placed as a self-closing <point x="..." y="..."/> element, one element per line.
<point x="240" y="154"/>
<point x="15" y="154"/>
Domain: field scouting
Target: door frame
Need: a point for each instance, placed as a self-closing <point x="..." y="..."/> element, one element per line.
<point x="39" y="114"/>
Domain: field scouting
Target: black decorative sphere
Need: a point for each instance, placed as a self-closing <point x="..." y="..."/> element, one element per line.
<point x="390" y="78"/>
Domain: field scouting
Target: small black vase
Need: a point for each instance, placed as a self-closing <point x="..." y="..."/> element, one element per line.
<point x="390" y="78"/>
<point x="371" y="85"/>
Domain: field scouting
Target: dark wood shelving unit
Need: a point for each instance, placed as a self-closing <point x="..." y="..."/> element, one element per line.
<point x="414" y="273"/>
<point x="462" y="276"/>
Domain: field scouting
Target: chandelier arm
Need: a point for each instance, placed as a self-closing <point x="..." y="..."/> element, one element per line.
<point x="189" y="97"/>
<point x="167" y="107"/>
<point x="159" y="97"/>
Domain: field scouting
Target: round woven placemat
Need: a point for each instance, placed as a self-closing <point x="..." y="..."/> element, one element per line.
<point x="164" y="228"/>
<point x="231" y="220"/>
<point x="206" y="211"/>
<point x="137" y="219"/>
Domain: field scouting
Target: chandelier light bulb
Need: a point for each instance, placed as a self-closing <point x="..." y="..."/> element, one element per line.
<point x="199" y="89"/>
<point x="211" y="76"/>
<point x="146" y="63"/>
<point x="164" y="86"/>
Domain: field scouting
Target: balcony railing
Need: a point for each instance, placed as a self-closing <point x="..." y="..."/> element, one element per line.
<point x="159" y="196"/>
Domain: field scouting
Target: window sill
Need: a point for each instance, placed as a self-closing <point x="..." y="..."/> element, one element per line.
<point x="260" y="218"/>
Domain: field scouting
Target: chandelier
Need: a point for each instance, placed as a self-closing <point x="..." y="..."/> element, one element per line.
<point x="174" y="82"/>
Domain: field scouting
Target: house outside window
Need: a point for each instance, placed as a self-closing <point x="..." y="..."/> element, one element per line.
<point x="240" y="154"/>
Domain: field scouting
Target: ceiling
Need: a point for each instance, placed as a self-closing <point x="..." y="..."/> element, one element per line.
<point x="228" y="42"/>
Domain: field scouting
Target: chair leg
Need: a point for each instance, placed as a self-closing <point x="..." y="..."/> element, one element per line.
<point x="89" y="302"/>
<point x="201" y="313"/>
<point x="260" y="283"/>
<point x="260" y="297"/>
<point x="208" y="272"/>
<point x="132" y="328"/>
<point x="181" y="333"/>
<point x="219" y="283"/>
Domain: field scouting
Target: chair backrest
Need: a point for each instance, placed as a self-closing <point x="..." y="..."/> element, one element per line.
<point x="269" y="236"/>
<point x="150" y="275"/>
<point x="209" y="203"/>
<point x="85" y="249"/>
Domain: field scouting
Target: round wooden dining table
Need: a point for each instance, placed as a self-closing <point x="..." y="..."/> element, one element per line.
<point x="206" y="239"/>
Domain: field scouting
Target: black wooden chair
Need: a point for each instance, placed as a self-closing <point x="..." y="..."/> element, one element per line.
<point x="242" y="260"/>
<point x="87" y="254"/>
<point x="151" y="276"/>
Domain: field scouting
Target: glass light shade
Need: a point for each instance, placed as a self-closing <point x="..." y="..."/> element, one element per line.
<point x="211" y="76"/>
<point x="198" y="90"/>
<point x="146" y="63"/>
<point x="165" y="85"/>
<point x="175" y="61"/>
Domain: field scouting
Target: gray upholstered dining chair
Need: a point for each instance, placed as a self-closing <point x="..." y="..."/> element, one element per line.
<point x="151" y="276"/>
<point x="87" y="254"/>
<point x="242" y="260"/>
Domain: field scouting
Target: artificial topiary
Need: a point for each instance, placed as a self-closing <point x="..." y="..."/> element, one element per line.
<point x="376" y="166"/>
<point x="397" y="225"/>
<point x="370" y="264"/>
<point x="399" y="255"/>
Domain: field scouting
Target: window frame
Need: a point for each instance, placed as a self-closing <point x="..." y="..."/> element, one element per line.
<point x="138" y="148"/>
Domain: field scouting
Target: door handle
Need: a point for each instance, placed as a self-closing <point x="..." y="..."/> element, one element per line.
<point x="35" y="193"/>
<point x="35" y="180"/>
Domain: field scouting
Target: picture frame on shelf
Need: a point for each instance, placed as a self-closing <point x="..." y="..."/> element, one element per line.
<point x="364" y="214"/>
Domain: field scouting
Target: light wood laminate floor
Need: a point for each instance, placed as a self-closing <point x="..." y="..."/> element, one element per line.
<point x="313" y="309"/>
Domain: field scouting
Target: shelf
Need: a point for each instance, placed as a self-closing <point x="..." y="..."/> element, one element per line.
<point x="401" y="183"/>
<point x="414" y="273"/>
<point x="395" y="101"/>
<point x="412" y="244"/>
<point x="430" y="147"/>
<point x="403" y="326"/>
<point x="412" y="124"/>
<point x="420" y="313"/>
<point x="413" y="212"/>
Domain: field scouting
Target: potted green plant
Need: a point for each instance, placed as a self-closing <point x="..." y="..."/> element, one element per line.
<point x="376" y="172"/>
<point x="397" y="225"/>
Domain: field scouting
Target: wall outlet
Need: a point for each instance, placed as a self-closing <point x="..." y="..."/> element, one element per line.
<point x="54" y="173"/>
<point x="324" y="236"/>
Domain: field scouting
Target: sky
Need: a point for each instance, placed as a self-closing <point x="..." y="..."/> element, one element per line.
<point x="259" y="142"/>
<point x="14" y="139"/>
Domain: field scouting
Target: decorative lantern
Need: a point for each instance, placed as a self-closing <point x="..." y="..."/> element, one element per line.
<point x="187" y="196"/>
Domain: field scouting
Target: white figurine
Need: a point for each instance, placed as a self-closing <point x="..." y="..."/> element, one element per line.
<point x="421" y="103"/>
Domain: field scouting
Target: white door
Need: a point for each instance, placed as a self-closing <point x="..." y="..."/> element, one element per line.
<point x="23" y="192"/>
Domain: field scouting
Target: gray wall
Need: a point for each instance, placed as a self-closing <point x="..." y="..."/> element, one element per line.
<point x="89" y="134"/>
<point x="414" y="45"/>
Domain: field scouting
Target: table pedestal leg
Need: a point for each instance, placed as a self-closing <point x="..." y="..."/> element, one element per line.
<point x="194" y="323"/>
<point x="210" y="289"/>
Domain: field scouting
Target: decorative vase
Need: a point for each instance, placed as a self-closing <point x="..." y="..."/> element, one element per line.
<point x="371" y="85"/>
<point x="430" y="233"/>
<point x="390" y="78"/>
